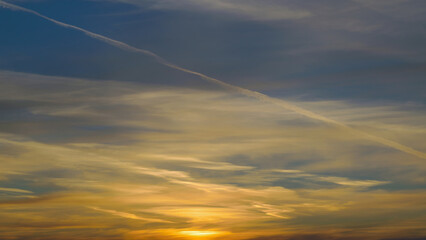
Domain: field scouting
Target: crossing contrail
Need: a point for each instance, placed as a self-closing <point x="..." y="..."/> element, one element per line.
<point x="260" y="96"/>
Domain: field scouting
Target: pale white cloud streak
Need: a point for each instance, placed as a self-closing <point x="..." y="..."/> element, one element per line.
<point x="15" y="190"/>
<point x="198" y="163"/>
<point x="128" y="215"/>
<point x="332" y="179"/>
<point x="264" y="10"/>
<point x="258" y="10"/>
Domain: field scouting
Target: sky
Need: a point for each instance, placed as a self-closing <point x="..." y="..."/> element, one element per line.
<point x="212" y="119"/>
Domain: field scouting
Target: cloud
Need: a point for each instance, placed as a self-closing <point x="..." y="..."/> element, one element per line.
<point x="216" y="160"/>
<point x="32" y="200"/>
<point x="161" y="173"/>
<point x="269" y="10"/>
<point x="303" y="237"/>
<point x="279" y="102"/>
<point x="128" y="215"/>
<point x="348" y="182"/>
<point x="158" y="161"/>
<point x="203" y="164"/>
<point x="273" y="211"/>
<point x="252" y="9"/>
<point x="15" y="190"/>
<point x="337" y="180"/>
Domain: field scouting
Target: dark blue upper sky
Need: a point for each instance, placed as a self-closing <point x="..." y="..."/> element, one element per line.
<point x="336" y="50"/>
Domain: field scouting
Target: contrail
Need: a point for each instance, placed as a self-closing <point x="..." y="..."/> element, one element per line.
<point x="246" y="92"/>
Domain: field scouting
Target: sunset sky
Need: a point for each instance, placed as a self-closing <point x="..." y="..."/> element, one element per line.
<point x="212" y="119"/>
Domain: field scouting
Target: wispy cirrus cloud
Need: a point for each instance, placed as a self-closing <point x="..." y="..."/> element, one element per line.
<point x="252" y="9"/>
<point x="110" y="159"/>
<point x="250" y="93"/>
<point x="15" y="190"/>
<point x="332" y="179"/>
<point x="192" y="160"/>
<point x="269" y="10"/>
<point x="128" y="215"/>
<point x="202" y="164"/>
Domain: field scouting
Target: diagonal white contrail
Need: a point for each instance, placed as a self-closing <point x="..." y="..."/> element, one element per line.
<point x="246" y="92"/>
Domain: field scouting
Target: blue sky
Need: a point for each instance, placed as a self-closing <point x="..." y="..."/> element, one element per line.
<point x="353" y="49"/>
<point x="270" y="119"/>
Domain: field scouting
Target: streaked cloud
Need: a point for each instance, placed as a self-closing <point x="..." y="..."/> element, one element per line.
<point x="198" y="163"/>
<point x="15" y="190"/>
<point x="193" y="161"/>
<point x="247" y="92"/>
<point x="257" y="10"/>
<point x="252" y="9"/>
<point x="337" y="180"/>
<point x="127" y="215"/>
<point x="316" y="131"/>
